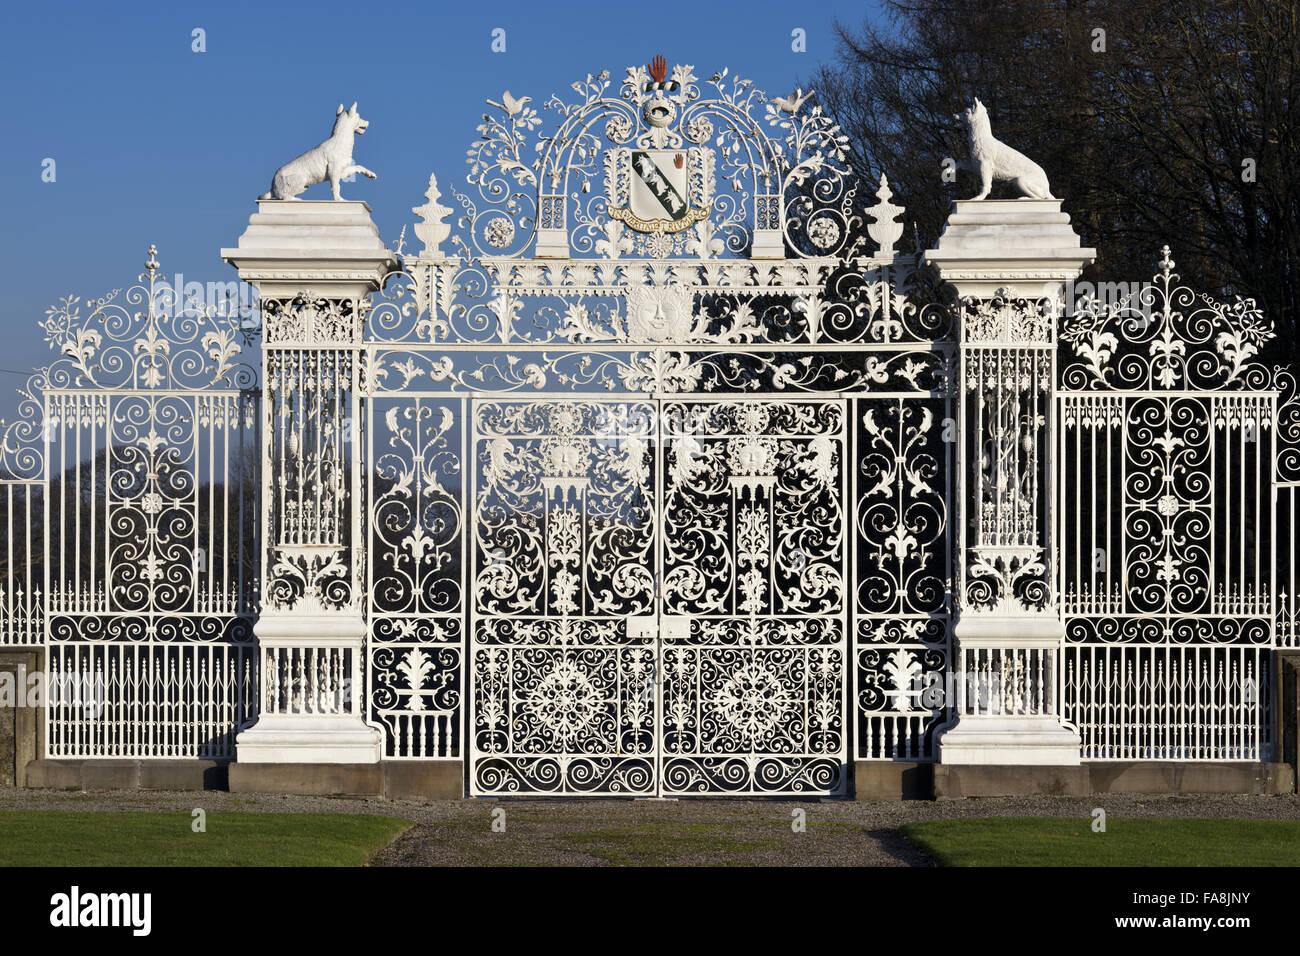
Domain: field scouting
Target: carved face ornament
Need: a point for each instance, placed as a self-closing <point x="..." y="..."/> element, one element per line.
<point x="752" y="456"/>
<point x="659" y="313"/>
<point x="566" y="458"/>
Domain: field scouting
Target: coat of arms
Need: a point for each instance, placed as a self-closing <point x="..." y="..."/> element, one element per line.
<point x="659" y="189"/>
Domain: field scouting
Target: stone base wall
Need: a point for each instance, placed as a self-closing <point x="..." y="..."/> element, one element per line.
<point x="899" y="781"/>
<point x="394" y="780"/>
<point x="20" y="727"/>
<point x="873" y="780"/>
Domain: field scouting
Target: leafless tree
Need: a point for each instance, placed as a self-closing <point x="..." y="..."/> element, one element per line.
<point x="1156" y="122"/>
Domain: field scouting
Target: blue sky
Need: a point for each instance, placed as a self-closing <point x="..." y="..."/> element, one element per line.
<point x="154" y="143"/>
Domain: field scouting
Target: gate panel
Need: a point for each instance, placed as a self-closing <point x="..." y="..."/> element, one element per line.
<point x="1166" y="565"/>
<point x="902" y="574"/>
<point x="130" y="523"/>
<point x="562" y="652"/>
<point x="414" y="492"/>
<point x="754" y="650"/>
<point x="1171" y="450"/>
<point x="150" y="585"/>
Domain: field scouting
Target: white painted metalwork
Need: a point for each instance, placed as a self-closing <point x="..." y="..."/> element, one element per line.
<point x="415" y="462"/>
<point x="1169" y="466"/>
<point x="647" y="480"/>
<point x="22" y="602"/>
<point x="119" y="699"/>
<point x="1180" y="702"/>
<point x="577" y="562"/>
<point x="660" y="598"/>
<point x="139" y="578"/>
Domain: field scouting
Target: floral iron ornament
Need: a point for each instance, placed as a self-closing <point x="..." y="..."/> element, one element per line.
<point x="657" y="169"/>
<point x="1165" y="336"/>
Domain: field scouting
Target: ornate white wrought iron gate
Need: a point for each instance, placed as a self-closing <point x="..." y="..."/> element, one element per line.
<point x="132" y="559"/>
<point x="1168" y="469"/>
<point x="753" y="614"/>
<point x="660" y="596"/>
<point x="687" y="439"/>
<point x="657" y="474"/>
<point x="563" y="649"/>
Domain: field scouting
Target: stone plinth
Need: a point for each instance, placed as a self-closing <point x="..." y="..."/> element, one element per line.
<point x="332" y="248"/>
<point x="1023" y="648"/>
<point x="1037" y="740"/>
<point x="1025" y="245"/>
<point x="312" y="707"/>
<point x="288" y="739"/>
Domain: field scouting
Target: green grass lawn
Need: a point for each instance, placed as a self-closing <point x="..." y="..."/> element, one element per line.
<point x="1126" y="842"/>
<point x="131" y="838"/>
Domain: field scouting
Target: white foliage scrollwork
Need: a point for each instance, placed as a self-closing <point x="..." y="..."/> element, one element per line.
<point x="143" y="440"/>
<point x="565" y="532"/>
<point x="1171" y="439"/>
<point x="1165" y="336"/>
<point x="755" y="163"/>
<point x="148" y="336"/>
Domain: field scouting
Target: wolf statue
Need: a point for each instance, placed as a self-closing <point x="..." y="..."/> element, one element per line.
<point x="991" y="159"/>
<point x="330" y="160"/>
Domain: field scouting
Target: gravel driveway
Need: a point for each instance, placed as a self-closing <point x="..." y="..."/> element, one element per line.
<point x="686" y="833"/>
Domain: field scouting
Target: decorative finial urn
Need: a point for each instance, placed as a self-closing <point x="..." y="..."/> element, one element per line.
<point x="884" y="229"/>
<point x="432" y="230"/>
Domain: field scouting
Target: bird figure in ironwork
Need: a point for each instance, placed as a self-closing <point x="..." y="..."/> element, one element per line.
<point x="511" y="105"/>
<point x="791" y="103"/>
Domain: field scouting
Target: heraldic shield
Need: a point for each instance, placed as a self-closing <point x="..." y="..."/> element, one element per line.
<point x="664" y="192"/>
